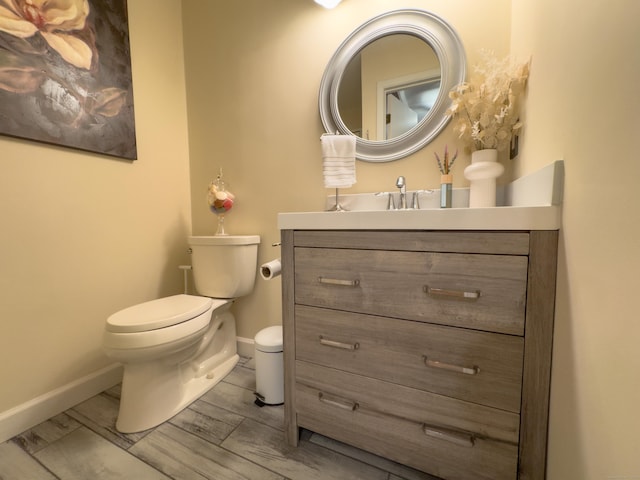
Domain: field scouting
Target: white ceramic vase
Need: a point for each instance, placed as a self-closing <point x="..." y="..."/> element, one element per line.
<point x="482" y="174"/>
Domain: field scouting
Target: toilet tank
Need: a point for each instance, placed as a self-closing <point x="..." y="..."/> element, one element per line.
<point x="224" y="266"/>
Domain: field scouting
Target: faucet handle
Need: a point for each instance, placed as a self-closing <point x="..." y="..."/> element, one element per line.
<point x="415" y="203"/>
<point x="391" y="204"/>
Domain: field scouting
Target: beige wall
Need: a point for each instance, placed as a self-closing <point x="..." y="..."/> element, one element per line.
<point x="253" y="72"/>
<point x="253" y="110"/>
<point x="583" y="106"/>
<point x="84" y="235"/>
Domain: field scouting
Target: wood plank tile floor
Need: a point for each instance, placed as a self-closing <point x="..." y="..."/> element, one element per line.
<point x="221" y="436"/>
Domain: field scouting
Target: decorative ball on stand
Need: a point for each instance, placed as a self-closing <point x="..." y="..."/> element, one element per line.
<point x="220" y="200"/>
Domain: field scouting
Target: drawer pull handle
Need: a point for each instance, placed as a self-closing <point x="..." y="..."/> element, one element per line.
<point x="338" y="402"/>
<point x="450" y="367"/>
<point x="462" y="439"/>
<point x="442" y="292"/>
<point x="337" y="281"/>
<point x="334" y="344"/>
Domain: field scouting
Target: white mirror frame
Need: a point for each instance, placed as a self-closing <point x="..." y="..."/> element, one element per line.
<point x="436" y="33"/>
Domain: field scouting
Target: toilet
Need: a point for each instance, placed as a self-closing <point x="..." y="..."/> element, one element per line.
<point x="174" y="349"/>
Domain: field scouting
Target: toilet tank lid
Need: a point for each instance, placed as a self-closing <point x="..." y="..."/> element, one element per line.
<point x="159" y="313"/>
<point x="225" y="240"/>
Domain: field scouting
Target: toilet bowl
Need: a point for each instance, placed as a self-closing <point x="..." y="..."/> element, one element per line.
<point x="175" y="349"/>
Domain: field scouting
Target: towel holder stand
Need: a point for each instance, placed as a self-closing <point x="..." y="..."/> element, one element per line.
<point x="337" y="207"/>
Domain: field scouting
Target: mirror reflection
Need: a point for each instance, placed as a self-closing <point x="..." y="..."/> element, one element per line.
<point x="389" y="87"/>
<point x="380" y="83"/>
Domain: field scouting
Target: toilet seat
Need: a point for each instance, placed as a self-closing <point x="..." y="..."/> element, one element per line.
<point x="188" y="328"/>
<point x="156" y="314"/>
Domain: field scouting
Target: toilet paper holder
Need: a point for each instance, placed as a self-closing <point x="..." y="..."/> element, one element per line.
<point x="271" y="270"/>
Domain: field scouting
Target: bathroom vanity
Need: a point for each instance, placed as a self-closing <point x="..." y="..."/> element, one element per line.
<point x="428" y="346"/>
<point x="423" y="336"/>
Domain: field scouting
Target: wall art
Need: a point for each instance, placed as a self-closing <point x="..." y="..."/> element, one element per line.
<point x="65" y="74"/>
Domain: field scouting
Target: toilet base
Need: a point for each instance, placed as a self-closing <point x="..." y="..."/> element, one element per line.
<point x="154" y="391"/>
<point x="149" y="399"/>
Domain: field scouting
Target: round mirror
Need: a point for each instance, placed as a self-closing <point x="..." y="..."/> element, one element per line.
<point x="388" y="83"/>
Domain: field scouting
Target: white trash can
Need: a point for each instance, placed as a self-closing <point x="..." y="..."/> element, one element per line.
<point x="269" y="366"/>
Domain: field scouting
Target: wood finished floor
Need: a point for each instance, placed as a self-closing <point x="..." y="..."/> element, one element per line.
<point x="221" y="436"/>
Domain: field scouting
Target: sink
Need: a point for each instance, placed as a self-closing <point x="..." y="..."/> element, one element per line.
<point x="428" y="199"/>
<point x="532" y="202"/>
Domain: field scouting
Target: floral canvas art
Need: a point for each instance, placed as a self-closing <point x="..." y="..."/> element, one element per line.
<point x="65" y="74"/>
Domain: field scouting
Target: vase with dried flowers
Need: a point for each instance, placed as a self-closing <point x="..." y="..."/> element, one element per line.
<point x="486" y="116"/>
<point x="446" y="178"/>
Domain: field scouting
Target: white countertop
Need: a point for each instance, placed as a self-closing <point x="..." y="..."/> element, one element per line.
<point x="495" y="218"/>
<point x="533" y="202"/>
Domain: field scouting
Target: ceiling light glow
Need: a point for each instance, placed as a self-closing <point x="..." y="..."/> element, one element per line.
<point x="328" y="3"/>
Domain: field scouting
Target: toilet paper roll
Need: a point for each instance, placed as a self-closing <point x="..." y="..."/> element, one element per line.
<point x="271" y="269"/>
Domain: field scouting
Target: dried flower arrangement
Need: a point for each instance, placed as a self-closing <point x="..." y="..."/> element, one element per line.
<point x="486" y="109"/>
<point x="445" y="166"/>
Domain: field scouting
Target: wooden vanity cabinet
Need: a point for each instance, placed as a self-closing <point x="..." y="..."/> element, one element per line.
<point x="430" y="348"/>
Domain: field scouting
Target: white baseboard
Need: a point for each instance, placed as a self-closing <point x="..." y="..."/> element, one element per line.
<point x="246" y="347"/>
<point x="50" y="404"/>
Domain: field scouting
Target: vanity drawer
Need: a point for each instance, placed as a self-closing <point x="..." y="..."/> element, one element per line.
<point x="484" y="292"/>
<point x="442" y="436"/>
<point x="480" y="367"/>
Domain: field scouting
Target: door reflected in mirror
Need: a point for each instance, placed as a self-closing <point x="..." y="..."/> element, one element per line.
<point x="389" y="87"/>
<point x="406" y="103"/>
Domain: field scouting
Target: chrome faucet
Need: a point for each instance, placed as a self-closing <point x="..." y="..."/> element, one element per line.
<point x="402" y="185"/>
